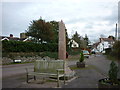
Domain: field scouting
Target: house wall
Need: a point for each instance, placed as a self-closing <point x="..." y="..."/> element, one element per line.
<point x="104" y="45"/>
<point x="74" y="44"/>
<point x="100" y="47"/>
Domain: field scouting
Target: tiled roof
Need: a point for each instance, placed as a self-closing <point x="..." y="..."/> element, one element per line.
<point x="107" y="39"/>
<point x="96" y="44"/>
<point x="12" y="38"/>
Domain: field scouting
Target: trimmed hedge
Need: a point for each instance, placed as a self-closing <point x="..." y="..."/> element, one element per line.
<point x="116" y="50"/>
<point x="19" y="46"/>
<point x="108" y="51"/>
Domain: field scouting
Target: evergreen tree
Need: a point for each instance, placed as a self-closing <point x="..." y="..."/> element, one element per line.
<point x="86" y="39"/>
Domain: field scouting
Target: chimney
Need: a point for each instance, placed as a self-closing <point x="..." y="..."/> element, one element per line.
<point x="11" y="35"/>
<point x="100" y="39"/>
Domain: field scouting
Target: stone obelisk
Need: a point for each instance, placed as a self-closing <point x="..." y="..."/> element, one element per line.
<point x="62" y="49"/>
<point x="62" y="41"/>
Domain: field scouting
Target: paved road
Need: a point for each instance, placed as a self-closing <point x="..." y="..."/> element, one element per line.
<point x="15" y="69"/>
<point x="14" y="75"/>
<point x="99" y="62"/>
<point x="97" y="68"/>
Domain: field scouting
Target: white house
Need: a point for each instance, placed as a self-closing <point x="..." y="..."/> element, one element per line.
<point x="4" y="38"/>
<point x="11" y="37"/>
<point x="104" y="44"/>
<point x="94" y="47"/>
<point x="100" y="47"/>
<point x="73" y="43"/>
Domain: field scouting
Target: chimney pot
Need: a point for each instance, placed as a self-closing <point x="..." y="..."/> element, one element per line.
<point x="11" y="35"/>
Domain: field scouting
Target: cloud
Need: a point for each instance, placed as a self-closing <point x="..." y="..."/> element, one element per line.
<point x="91" y="17"/>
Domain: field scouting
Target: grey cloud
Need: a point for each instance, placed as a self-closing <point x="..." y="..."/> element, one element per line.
<point x="12" y="21"/>
<point x="113" y="18"/>
<point x="75" y="20"/>
<point x="17" y="16"/>
<point x="89" y="25"/>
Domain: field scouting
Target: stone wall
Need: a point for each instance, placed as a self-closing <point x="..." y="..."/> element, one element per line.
<point x="6" y="60"/>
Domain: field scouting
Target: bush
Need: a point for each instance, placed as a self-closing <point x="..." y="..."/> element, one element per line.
<point x="116" y="50"/>
<point x="113" y="72"/>
<point x="49" y="54"/>
<point x="107" y="51"/>
<point x="81" y="57"/>
<point x="71" y="51"/>
<point x="19" y="46"/>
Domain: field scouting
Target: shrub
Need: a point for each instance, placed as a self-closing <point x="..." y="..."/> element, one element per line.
<point x="116" y="50"/>
<point x="49" y="54"/>
<point x="81" y="57"/>
<point x="107" y="51"/>
<point x="113" y="72"/>
<point x="71" y="51"/>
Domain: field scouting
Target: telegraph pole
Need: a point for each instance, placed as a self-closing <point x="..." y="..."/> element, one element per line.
<point x="116" y="32"/>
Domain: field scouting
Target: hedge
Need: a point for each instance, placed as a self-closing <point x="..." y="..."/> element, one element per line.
<point x="19" y="46"/>
<point x="116" y="50"/>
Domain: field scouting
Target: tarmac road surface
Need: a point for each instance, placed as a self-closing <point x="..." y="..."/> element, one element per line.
<point x="15" y="69"/>
<point x="96" y="68"/>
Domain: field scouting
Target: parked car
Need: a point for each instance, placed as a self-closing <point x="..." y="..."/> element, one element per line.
<point x="86" y="53"/>
<point x="93" y="52"/>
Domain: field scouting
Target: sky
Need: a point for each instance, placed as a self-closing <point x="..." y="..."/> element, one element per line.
<point x="92" y="17"/>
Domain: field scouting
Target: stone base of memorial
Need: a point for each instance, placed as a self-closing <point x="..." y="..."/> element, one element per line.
<point x="67" y="77"/>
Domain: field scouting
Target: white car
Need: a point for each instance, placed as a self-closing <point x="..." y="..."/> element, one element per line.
<point x="86" y="53"/>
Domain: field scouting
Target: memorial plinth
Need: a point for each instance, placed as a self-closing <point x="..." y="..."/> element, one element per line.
<point x="62" y="49"/>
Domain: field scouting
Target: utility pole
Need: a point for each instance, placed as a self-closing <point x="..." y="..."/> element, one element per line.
<point x="116" y="32"/>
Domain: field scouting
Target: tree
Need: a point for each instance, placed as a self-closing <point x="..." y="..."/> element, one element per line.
<point x="67" y="38"/>
<point x="86" y="39"/>
<point x="83" y="43"/>
<point x="112" y="37"/>
<point x="55" y="28"/>
<point x="40" y="31"/>
<point x="116" y="50"/>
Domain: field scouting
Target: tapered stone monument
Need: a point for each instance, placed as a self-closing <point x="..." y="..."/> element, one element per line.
<point x="62" y="49"/>
<point x="62" y="41"/>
